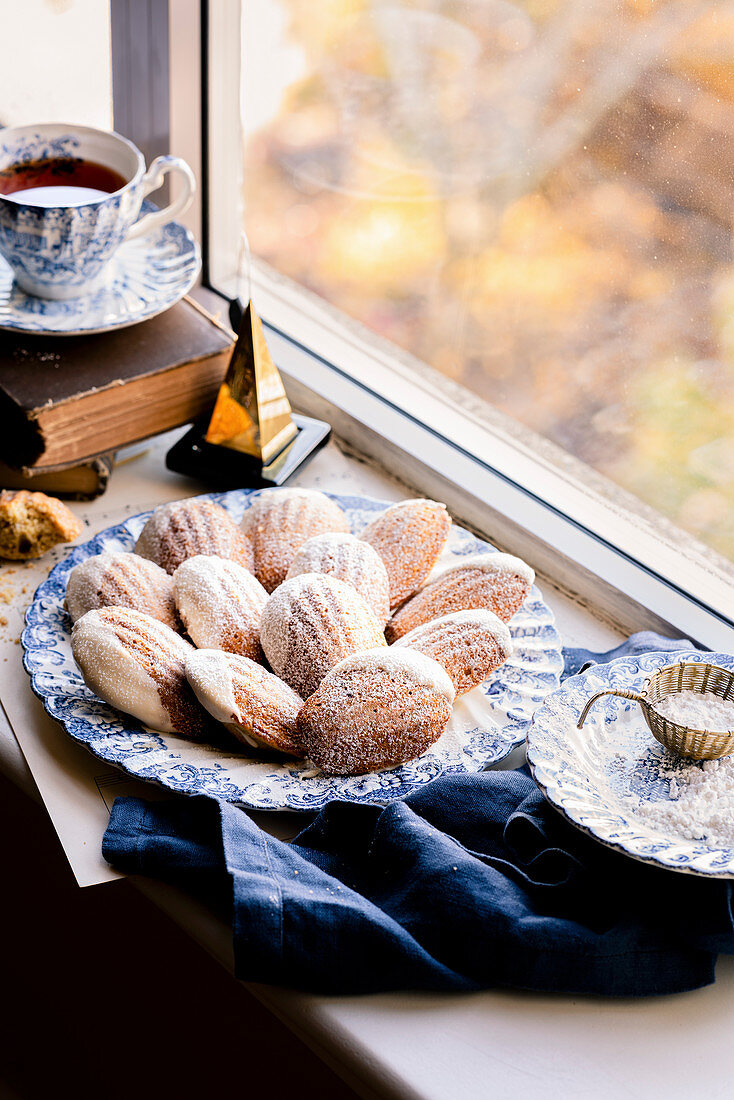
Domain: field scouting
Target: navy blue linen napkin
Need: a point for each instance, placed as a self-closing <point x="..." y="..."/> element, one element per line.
<point x="474" y="881"/>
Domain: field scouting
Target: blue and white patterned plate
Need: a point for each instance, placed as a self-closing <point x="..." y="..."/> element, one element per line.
<point x="486" y="723"/>
<point x="147" y="276"/>
<point x="613" y="779"/>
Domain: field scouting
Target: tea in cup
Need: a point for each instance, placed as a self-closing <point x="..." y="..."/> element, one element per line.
<point x="69" y="197"/>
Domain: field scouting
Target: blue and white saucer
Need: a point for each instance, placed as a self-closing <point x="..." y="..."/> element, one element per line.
<point x="615" y="782"/>
<point x="146" y="277"/>
<point x="486" y="722"/>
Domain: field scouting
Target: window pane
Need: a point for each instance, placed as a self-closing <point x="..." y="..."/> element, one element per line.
<point x="55" y="66"/>
<point x="536" y="198"/>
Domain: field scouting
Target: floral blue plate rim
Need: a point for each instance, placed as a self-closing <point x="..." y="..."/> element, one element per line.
<point x="585" y="774"/>
<point x="147" y="277"/>
<point x="486" y="725"/>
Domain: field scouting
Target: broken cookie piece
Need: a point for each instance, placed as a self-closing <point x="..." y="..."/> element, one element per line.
<point x="31" y="523"/>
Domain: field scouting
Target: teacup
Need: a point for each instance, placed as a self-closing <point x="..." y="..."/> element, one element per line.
<point x="57" y="244"/>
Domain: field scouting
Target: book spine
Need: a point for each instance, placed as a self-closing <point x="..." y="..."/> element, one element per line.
<point x="21" y="437"/>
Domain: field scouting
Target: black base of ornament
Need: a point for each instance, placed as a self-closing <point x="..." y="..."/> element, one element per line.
<point x="225" y="468"/>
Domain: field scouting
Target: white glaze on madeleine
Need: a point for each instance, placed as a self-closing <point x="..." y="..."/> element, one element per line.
<point x="254" y="704"/>
<point x="220" y="604"/>
<point x="496" y="582"/>
<point x="137" y="664"/>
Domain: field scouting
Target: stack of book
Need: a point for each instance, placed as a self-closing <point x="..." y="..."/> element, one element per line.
<point x="67" y="403"/>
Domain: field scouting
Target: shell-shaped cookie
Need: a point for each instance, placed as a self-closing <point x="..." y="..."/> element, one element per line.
<point x="278" y="523"/>
<point x="351" y="560"/>
<point x="183" y="528"/>
<point x="468" y="644"/>
<point x="496" y="582"/>
<point x="137" y="664"/>
<point x="409" y="537"/>
<point x="220" y="604"/>
<point x="254" y="705"/>
<point x="376" y="710"/>
<point x="310" y="623"/>
<point x="117" y="579"/>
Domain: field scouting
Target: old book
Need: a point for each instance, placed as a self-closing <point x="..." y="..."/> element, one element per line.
<point x="64" y="400"/>
<point x="83" y="481"/>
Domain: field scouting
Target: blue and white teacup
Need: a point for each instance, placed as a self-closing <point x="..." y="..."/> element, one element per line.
<point x="64" y="251"/>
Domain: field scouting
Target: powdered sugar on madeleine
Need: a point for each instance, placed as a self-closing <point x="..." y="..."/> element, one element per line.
<point x="409" y="537"/>
<point x="119" y="579"/>
<point x="500" y="586"/>
<point x="376" y="710"/>
<point x="220" y="604"/>
<point x="423" y="671"/>
<point x="351" y="560"/>
<point x="310" y="623"/>
<point x="279" y="521"/>
<point x="490" y="564"/>
<point x="468" y="644"/>
<point x="183" y="528"/>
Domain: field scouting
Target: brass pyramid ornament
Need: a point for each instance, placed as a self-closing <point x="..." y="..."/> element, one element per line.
<point x="251" y="439"/>
<point x="252" y="414"/>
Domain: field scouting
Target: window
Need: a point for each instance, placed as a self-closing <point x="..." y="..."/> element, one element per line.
<point x="533" y="198"/>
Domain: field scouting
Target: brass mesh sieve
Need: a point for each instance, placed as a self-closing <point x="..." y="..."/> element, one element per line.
<point x="686" y="676"/>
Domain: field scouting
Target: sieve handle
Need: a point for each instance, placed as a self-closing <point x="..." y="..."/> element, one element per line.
<point x="612" y="691"/>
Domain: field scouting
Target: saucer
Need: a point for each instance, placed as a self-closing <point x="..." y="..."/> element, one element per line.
<point x="146" y="277"/>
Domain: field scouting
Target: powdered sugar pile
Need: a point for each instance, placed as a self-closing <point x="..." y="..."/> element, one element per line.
<point x="651" y="788"/>
<point x="701" y="803"/>
<point x="698" y="710"/>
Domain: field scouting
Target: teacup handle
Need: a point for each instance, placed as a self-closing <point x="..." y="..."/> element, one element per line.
<point x="152" y="180"/>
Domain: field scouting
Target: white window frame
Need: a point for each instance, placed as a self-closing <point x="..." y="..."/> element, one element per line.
<point x="611" y="552"/>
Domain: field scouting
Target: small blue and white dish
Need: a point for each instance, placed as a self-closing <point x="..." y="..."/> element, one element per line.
<point x="614" y="781"/>
<point x="146" y="276"/>
<point x="486" y="724"/>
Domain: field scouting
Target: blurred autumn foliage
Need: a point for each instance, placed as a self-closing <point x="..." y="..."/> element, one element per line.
<point x="536" y="198"/>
